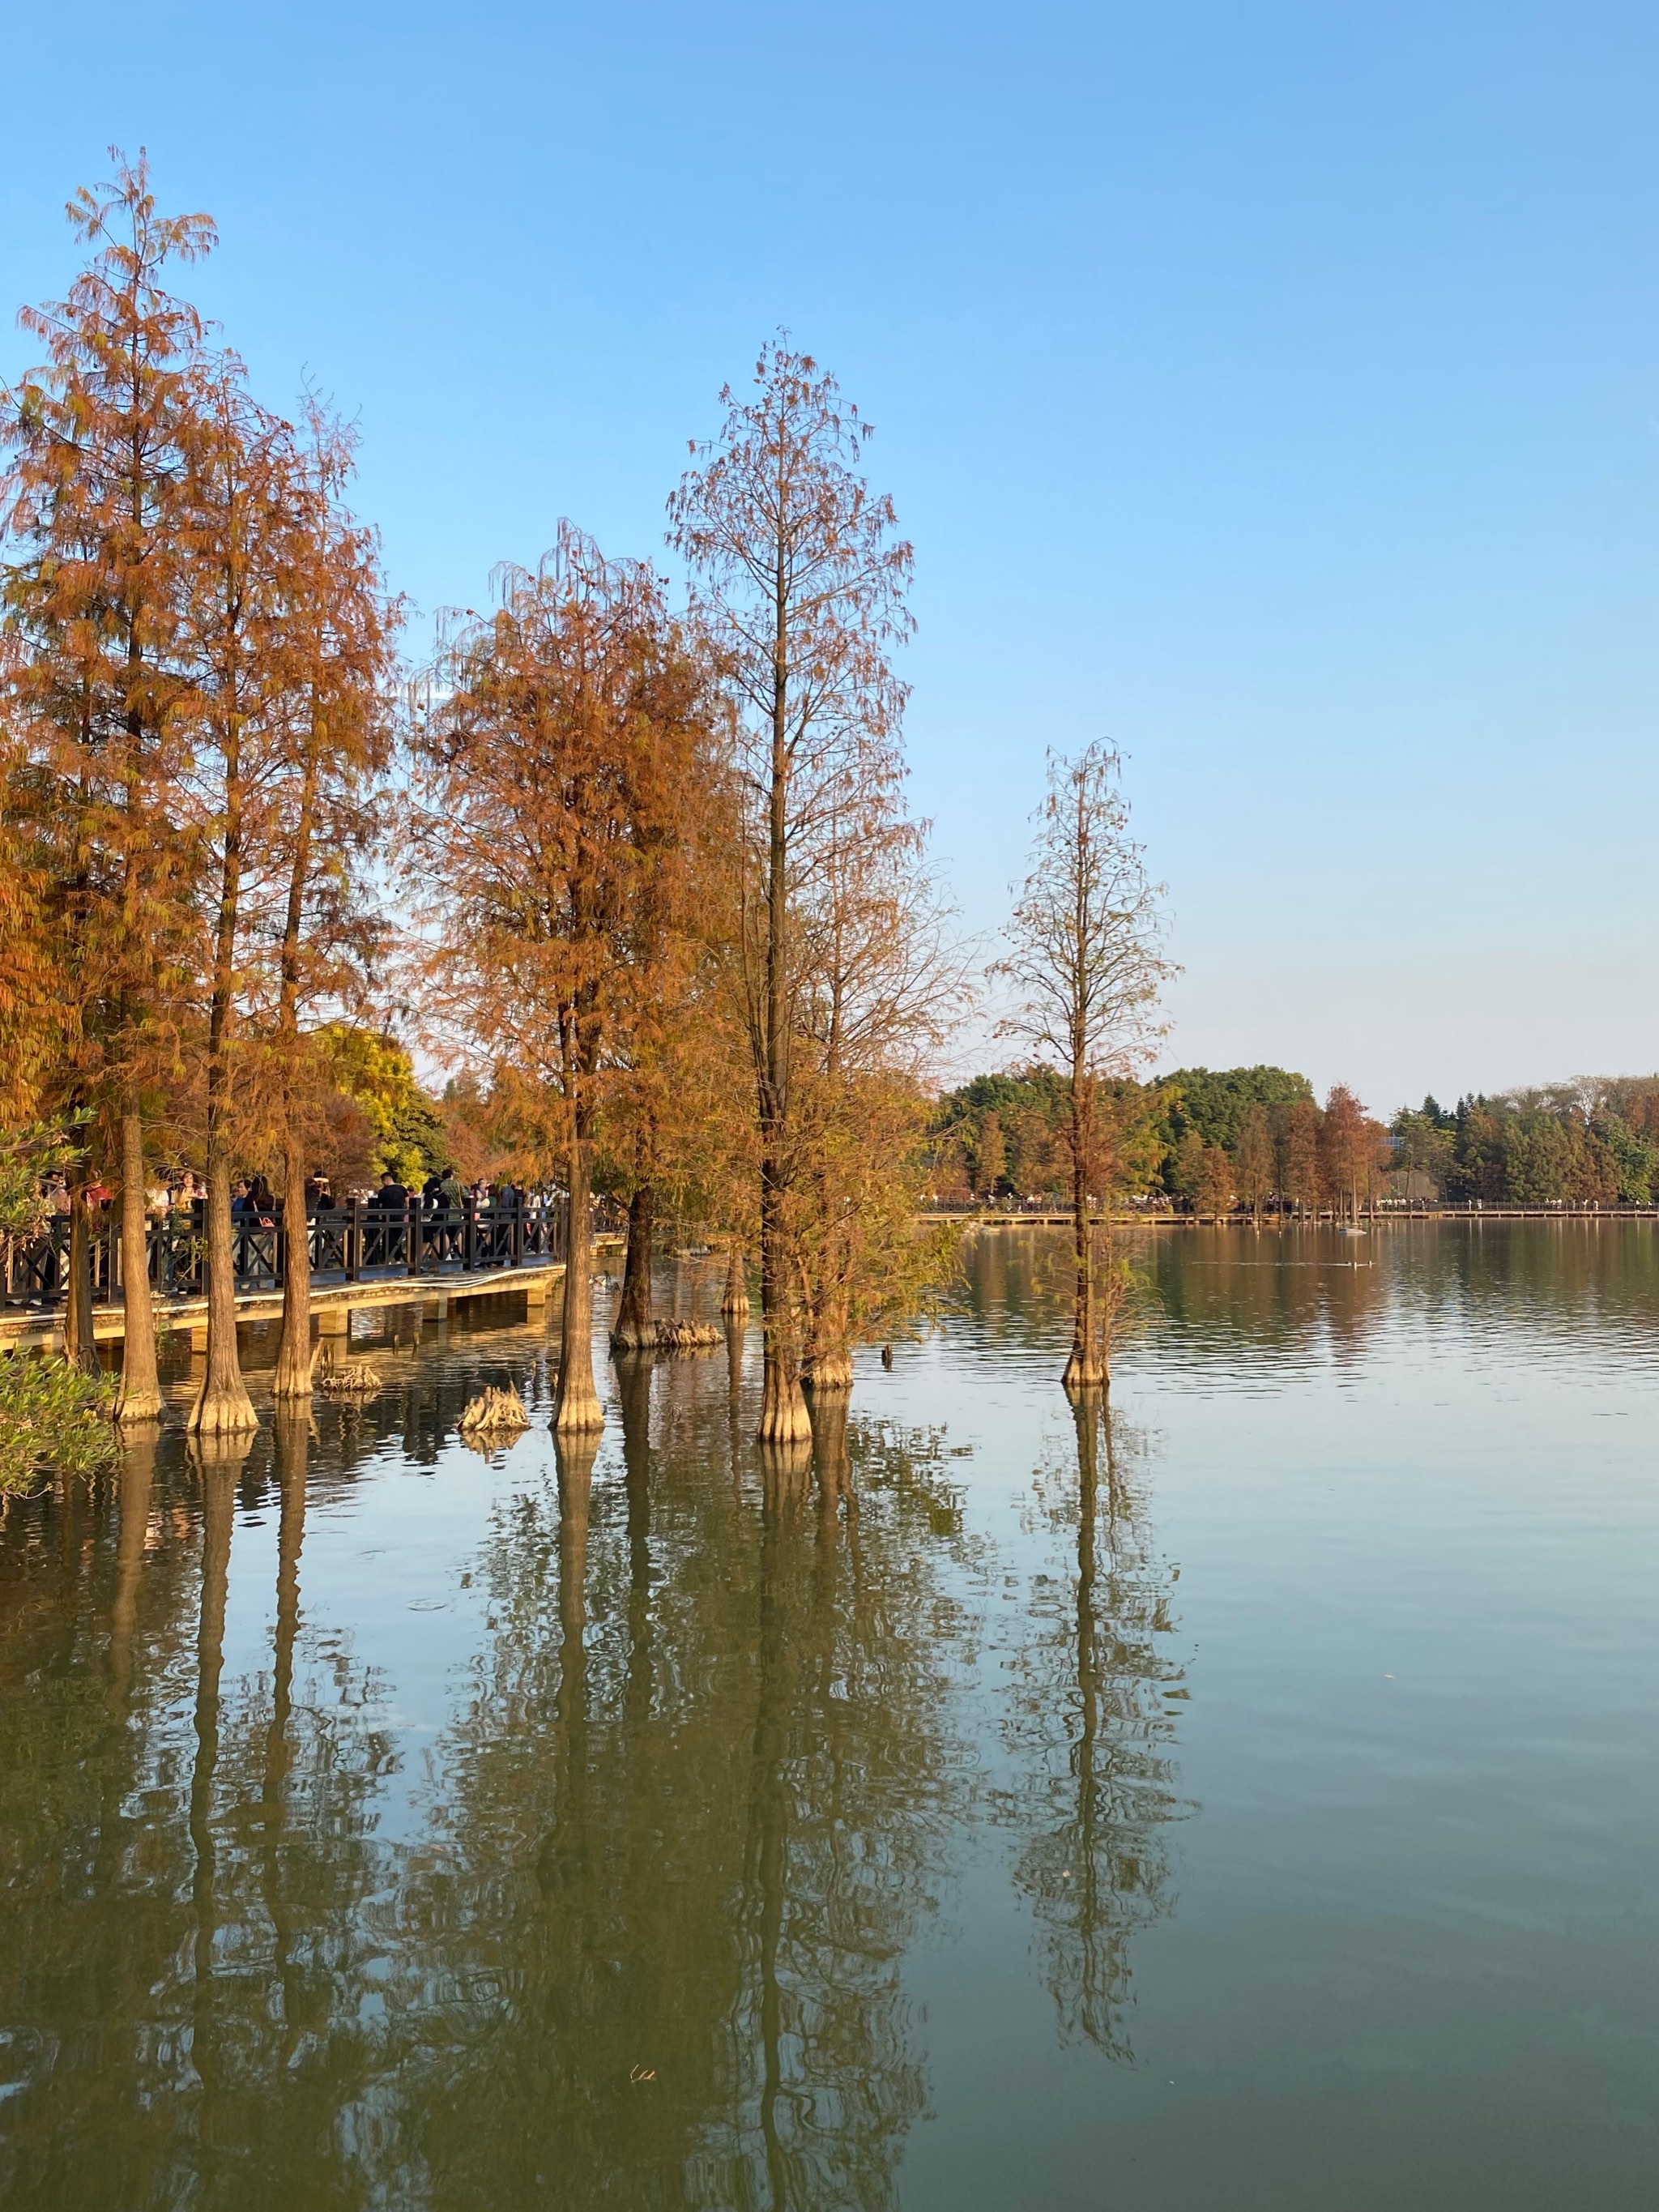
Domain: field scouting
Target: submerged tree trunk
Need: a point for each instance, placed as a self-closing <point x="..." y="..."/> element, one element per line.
<point x="576" y="1405"/>
<point x="293" y="1377"/>
<point x="784" y="1419"/>
<point x="140" y="1398"/>
<point x="636" y="1327"/>
<point x="222" y="1406"/>
<point x="1085" y="1369"/>
<point x="735" y="1300"/>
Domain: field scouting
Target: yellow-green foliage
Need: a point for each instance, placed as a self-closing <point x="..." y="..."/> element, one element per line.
<point x="377" y="1074"/>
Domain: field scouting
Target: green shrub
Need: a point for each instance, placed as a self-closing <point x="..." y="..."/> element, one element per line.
<point x="54" y="1420"/>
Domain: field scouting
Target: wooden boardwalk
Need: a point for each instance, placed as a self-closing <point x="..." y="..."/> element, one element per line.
<point x="332" y="1304"/>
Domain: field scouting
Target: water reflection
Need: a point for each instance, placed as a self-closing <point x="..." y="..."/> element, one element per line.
<point x="381" y="1825"/>
<point x="626" y="1918"/>
<point x="690" y="1823"/>
<point x="1262" y="1307"/>
<point x="1096" y="1731"/>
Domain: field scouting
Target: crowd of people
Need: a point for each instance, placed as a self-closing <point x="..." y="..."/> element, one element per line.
<point x="440" y="1201"/>
<point x="252" y="1200"/>
<point x="179" y="1198"/>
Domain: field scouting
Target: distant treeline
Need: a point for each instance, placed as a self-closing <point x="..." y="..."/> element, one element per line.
<point x="1213" y="1139"/>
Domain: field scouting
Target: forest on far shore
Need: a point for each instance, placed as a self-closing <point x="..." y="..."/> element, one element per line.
<point x="1212" y="1139"/>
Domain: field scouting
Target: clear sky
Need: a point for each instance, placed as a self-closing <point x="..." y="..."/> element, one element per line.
<point x="1272" y="388"/>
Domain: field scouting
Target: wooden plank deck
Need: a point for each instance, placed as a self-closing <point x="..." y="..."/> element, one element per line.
<point x="332" y="1304"/>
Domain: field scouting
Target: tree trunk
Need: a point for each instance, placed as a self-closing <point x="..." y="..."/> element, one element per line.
<point x="636" y="1327"/>
<point x="827" y="1368"/>
<point x="293" y="1353"/>
<point x="80" y="1347"/>
<point x="1085" y="1370"/>
<point x="784" y="1419"/>
<point x="576" y="1407"/>
<point x="735" y="1299"/>
<point x="140" y="1398"/>
<point x="223" y="1407"/>
<point x="293" y="1377"/>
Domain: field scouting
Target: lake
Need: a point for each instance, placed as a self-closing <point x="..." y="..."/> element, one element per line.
<point x="1246" y="1798"/>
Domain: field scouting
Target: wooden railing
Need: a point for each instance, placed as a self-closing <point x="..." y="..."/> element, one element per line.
<point x="356" y="1243"/>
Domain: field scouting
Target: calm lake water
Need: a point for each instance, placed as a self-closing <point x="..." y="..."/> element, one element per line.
<point x="1246" y="1803"/>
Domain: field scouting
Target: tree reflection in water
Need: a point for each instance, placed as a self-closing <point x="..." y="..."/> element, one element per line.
<point x="200" y="1995"/>
<point x="639" y="1935"/>
<point x="690" y="1822"/>
<point x="1095" y="1733"/>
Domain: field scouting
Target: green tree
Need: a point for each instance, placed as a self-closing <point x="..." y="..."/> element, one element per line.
<point x="1425" y="1142"/>
<point x="991" y="1162"/>
<point x="1034" y="1164"/>
<point x="1635" y="1159"/>
<point x="53" y="1416"/>
<point x="376" y="1073"/>
<point x="1215" y="1101"/>
<point x="1186" y="1169"/>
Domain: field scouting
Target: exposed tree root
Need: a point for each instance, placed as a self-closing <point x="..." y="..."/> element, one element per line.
<point x="356" y="1378"/>
<point x="687" y="1336"/>
<point x="495" y="1413"/>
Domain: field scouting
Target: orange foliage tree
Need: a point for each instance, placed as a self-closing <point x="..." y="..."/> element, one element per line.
<point x="800" y="579"/>
<point x="1352" y="1148"/>
<point x="567" y="734"/>
<point x="333" y="745"/>
<point x="93" y="492"/>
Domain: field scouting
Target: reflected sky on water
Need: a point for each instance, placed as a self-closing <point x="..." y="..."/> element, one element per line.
<point x="1245" y="1798"/>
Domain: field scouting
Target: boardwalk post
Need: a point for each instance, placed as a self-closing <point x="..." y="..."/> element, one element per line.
<point x="470" y="1247"/>
<point x="414" y="1234"/>
<point x="354" y="1250"/>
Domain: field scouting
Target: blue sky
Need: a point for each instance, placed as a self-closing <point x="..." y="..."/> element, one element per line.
<point x="1273" y="389"/>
